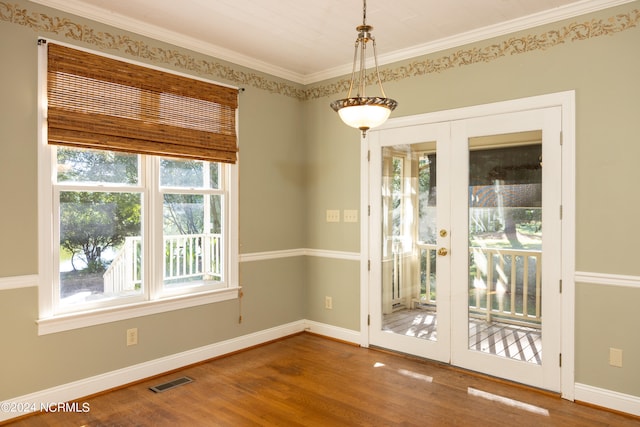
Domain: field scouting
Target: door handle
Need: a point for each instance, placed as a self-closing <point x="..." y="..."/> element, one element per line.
<point x="443" y="251"/>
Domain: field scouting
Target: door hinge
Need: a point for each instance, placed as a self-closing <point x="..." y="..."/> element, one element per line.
<point x="369" y="210"/>
<point x="560" y="211"/>
<point x="368" y="320"/>
<point x="368" y="265"/>
<point x="368" y="155"/>
<point x="561" y="138"/>
<point x="560" y="285"/>
<point x="560" y="360"/>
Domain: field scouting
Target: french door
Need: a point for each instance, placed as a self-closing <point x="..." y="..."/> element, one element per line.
<point x="464" y="243"/>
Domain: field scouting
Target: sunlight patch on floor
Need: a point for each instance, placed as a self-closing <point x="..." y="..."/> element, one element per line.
<point x="507" y="401"/>
<point x="415" y="375"/>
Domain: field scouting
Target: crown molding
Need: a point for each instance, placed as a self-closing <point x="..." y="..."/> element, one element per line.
<point x="478" y="35"/>
<point x="97" y="14"/>
<point x="76" y="7"/>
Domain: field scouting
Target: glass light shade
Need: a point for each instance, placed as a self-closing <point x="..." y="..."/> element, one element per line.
<point x="364" y="116"/>
<point x="364" y="112"/>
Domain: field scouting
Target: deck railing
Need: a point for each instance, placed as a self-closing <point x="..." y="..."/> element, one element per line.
<point x="504" y="284"/>
<point x="427" y="272"/>
<point x="193" y="256"/>
<point x="187" y="257"/>
<point x="124" y="273"/>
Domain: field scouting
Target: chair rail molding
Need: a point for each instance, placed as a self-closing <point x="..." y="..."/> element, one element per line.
<point x="17" y="282"/>
<point x="606" y="279"/>
<point x="261" y="256"/>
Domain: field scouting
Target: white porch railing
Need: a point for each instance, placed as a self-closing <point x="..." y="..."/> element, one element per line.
<point x="504" y="285"/>
<point x="190" y="256"/>
<point x="186" y="257"/>
<point x="427" y="252"/>
<point x="124" y="274"/>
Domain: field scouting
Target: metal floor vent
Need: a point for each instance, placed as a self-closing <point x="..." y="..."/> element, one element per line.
<point x="171" y="384"/>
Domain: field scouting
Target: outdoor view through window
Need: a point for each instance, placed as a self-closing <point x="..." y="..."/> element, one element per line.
<point x="111" y="203"/>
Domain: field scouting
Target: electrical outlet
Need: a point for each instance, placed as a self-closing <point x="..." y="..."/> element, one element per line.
<point x="132" y="336"/>
<point x="328" y="303"/>
<point x="333" y="215"/>
<point x="615" y="357"/>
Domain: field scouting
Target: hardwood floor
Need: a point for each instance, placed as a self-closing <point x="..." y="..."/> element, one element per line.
<point x="306" y="380"/>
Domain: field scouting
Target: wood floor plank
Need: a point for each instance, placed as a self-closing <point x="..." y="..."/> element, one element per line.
<point x="306" y="380"/>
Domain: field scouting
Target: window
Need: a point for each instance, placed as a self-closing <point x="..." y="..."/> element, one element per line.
<point x="128" y="226"/>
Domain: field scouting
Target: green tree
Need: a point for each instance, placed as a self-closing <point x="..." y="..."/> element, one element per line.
<point x="183" y="213"/>
<point x="93" y="221"/>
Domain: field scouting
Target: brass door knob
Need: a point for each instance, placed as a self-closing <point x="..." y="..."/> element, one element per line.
<point x="443" y="233"/>
<point x="443" y="251"/>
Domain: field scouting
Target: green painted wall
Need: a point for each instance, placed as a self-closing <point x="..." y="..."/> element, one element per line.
<point x="18" y="160"/>
<point x="605" y="318"/>
<point x="338" y="279"/>
<point x="297" y="160"/>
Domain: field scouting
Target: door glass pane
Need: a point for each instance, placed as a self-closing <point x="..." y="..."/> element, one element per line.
<point x="505" y="245"/>
<point x="409" y="240"/>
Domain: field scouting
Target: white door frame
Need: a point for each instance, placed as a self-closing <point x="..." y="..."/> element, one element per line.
<point x="564" y="100"/>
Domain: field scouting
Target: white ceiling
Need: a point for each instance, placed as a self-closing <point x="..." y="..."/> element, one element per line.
<point x="311" y="40"/>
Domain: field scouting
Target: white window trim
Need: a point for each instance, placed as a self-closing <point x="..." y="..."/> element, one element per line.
<point x="50" y="322"/>
<point x="106" y="315"/>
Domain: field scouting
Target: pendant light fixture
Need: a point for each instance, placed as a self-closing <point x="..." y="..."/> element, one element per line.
<point x="361" y="111"/>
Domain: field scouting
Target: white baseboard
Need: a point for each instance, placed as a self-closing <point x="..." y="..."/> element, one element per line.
<point x="608" y="399"/>
<point x="335" y="332"/>
<point x="89" y="386"/>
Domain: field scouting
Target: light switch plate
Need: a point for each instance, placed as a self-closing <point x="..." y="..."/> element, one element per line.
<point x="333" y="215"/>
<point x="350" y="215"/>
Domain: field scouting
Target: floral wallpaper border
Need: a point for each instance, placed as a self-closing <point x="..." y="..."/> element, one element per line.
<point x="129" y="45"/>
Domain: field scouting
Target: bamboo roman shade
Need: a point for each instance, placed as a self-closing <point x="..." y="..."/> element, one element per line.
<point x="102" y="103"/>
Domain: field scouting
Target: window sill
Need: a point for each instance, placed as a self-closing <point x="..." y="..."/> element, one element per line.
<point x="97" y="317"/>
